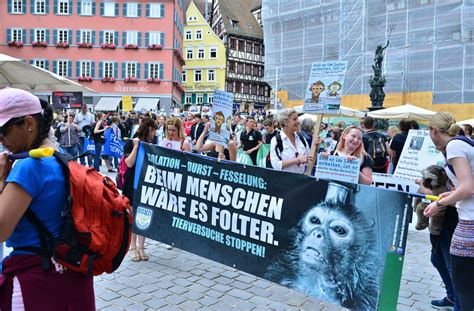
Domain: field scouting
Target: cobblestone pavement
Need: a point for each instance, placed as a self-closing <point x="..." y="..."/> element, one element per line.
<point x="178" y="280"/>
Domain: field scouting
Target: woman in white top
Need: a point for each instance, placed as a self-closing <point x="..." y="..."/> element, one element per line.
<point x="460" y="157"/>
<point x="295" y="153"/>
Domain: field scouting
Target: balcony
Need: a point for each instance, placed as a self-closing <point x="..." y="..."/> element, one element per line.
<point x="131" y="46"/>
<point x="153" y="80"/>
<point x="155" y="47"/>
<point x="84" y="79"/>
<point x="131" y="80"/>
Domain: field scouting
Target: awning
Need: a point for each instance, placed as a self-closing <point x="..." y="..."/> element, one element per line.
<point x="147" y="104"/>
<point x="107" y="104"/>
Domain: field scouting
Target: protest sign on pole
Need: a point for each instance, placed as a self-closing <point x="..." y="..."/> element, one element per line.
<point x="390" y="182"/>
<point x="338" y="168"/>
<point x="418" y="153"/>
<point x="324" y="89"/>
<point x="219" y="131"/>
<point x="323" y="95"/>
<point x="127" y="103"/>
<point x="276" y="225"/>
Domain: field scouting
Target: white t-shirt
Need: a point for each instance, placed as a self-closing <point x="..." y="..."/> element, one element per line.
<point x="83" y="120"/>
<point x="461" y="149"/>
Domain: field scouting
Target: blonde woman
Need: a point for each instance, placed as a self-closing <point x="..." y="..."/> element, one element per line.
<point x="351" y="147"/>
<point x="459" y="153"/>
<point x="175" y="138"/>
<point x="211" y="148"/>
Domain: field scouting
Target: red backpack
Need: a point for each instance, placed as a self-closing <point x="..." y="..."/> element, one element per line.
<point x="96" y="233"/>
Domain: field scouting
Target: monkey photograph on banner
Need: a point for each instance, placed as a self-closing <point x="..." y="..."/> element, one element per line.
<point x="324" y="238"/>
<point x="221" y="120"/>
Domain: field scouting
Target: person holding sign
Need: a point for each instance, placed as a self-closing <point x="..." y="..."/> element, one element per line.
<point x="288" y="149"/>
<point x="175" y="138"/>
<point x="145" y="133"/>
<point x="459" y="153"/>
<point x="351" y="147"/>
<point x="210" y="147"/>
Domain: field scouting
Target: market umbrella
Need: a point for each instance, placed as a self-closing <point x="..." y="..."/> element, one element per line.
<point x="16" y="73"/>
<point x="403" y="111"/>
<point x="470" y="121"/>
<point x="344" y="111"/>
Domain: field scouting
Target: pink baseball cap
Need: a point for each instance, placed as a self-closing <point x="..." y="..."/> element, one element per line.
<point x="15" y="103"/>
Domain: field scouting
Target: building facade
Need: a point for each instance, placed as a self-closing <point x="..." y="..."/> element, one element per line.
<point x="234" y="23"/>
<point x="117" y="48"/>
<point x="205" y="55"/>
<point x="428" y="62"/>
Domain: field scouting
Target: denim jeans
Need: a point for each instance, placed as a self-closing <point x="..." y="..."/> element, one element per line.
<point x="71" y="150"/>
<point x="81" y="150"/>
<point x="97" y="159"/>
<point x="440" y="258"/>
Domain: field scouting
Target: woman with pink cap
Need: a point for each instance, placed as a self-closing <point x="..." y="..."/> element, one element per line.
<point x="34" y="185"/>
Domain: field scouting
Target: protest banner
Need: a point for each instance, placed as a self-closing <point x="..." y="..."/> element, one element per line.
<point x="113" y="146"/>
<point x="262" y="155"/>
<point x="393" y="183"/>
<point x="243" y="158"/>
<point x="418" y="153"/>
<point x="327" y="239"/>
<point x="89" y="145"/>
<point x="324" y="89"/>
<point x="338" y="168"/>
<point x="219" y="131"/>
<point x="127" y="104"/>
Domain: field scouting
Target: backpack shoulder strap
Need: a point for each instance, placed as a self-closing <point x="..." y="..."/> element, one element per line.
<point x="279" y="145"/>
<point x="303" y="140"/>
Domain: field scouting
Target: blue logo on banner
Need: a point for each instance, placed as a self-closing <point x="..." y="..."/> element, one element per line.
<point x="143" y="218"/>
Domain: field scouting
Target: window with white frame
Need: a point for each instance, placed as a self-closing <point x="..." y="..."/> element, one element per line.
<point x="189" y="35"/>
<point x="155" y="37"/>
<point x="63" y="35"/>
<point x="198" y="34"/>
<point x="183" y="77"/>
<point x="85" y="69"/>
<point x="41" y="63"/>
<point x="109" y="37"/>
<point x="62" y="68"/>
<point x="40" y="6"/>
<point x="132" y="9"/>
<point x="40" y="35"/>
<point x="189" y="53"/>
<point x="86" y="7"/>
<point x="199" y="98"/>
<point x="212" y="52"/>
<point x="17" y="35"/>
<point x="200" y="54"/>
<point x="63" y="7"/>
<point x="108" y="70"/>
<point x="131" y="70"/>
<point x="188" y="99"/>
<point x="109" y="9"/>
<point x="155" y="9"/>
<point x="210" y="98"/>
<point x="211" y="75"/>
<point x="198" y="76"/>
<point x="86" y="36"/>
<point x="17" y="7"/>
<point x="132" y="37"/>
<point x="154" y="70"/>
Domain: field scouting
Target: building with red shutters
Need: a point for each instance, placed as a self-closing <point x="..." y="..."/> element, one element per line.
<point x="118" y="48"/>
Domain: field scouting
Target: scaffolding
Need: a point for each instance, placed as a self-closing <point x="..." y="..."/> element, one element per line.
<point x="431" y="48"/>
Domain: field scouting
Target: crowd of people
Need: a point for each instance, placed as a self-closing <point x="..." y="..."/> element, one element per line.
<point x="291" y="140"/>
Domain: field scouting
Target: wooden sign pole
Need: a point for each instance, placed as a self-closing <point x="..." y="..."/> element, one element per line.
<point x="314" y="148"/>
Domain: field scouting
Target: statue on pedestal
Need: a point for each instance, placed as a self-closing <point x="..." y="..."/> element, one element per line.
<point x="377" y="81"/>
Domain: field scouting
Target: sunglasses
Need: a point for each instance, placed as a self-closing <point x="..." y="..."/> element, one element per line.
<point x="10" y="123"/>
